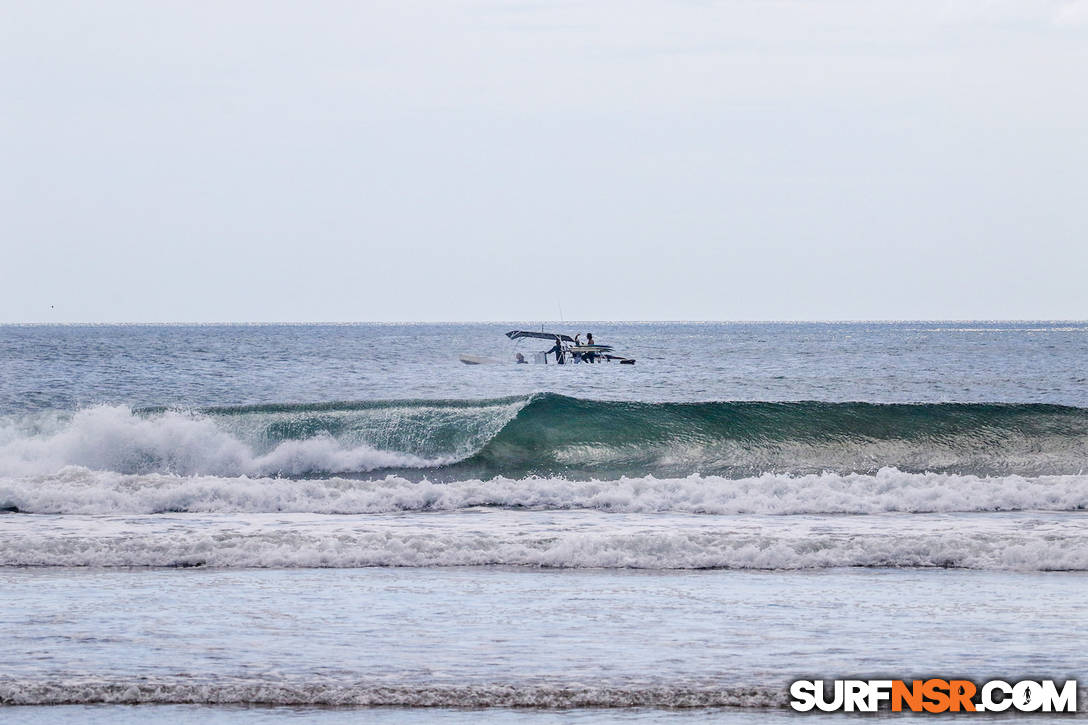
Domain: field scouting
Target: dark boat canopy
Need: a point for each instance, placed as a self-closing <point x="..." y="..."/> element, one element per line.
<point x="518" y="334"/>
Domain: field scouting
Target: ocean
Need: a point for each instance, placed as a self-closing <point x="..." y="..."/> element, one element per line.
<point x="332" y="523"/>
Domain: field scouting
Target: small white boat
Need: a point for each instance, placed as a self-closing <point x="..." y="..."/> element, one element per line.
<point x="478" y="360"/>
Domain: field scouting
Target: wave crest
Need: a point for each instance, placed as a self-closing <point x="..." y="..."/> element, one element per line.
<point x="114" y="438"/>
<point x="552" y="435"/>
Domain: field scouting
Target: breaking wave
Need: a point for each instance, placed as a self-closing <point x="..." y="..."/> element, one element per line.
<point x="552" y="435"/>
<point x="295" y="440"/>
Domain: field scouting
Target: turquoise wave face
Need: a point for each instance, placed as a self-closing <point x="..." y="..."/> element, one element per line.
<point x="554" y="435"/>
<point x="558" y="435"/>
<point x="428" y="429"/>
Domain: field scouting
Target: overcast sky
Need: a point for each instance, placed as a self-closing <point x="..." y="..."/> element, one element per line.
<point x="493" y="160"/>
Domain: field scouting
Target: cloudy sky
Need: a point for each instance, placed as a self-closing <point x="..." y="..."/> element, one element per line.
<point x="497" y="159"/>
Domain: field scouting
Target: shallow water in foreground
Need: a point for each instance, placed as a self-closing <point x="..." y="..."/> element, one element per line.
<point x="501" y="637"/>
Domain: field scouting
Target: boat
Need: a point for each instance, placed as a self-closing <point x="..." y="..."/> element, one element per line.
<point x="478" y="360"/>
<point x="569" y="351"/>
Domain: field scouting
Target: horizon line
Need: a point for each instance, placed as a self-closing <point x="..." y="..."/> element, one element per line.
<point x="284" y="323"/>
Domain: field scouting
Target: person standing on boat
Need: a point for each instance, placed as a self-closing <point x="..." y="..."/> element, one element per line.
<point x="558" y="350"/>
<point x="589" y="356"/>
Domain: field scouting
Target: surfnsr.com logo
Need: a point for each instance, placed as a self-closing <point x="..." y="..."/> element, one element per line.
<point x="934" y="695"/>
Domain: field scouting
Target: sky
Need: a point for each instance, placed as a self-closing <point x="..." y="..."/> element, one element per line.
<point x="198" y="161"/>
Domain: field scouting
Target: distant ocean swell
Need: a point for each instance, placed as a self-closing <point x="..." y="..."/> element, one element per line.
<point x="551" y="435"/>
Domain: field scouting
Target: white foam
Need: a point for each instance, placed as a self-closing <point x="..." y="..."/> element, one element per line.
<point x="571" y="539"/>
<point x="81" y="490"/>
<point x="112" y="438"/>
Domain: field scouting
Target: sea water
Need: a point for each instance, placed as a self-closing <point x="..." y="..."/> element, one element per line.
<point x="265" y="523"/>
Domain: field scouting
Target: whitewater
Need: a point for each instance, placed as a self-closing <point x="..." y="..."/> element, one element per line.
<point x="207" y="517"/>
